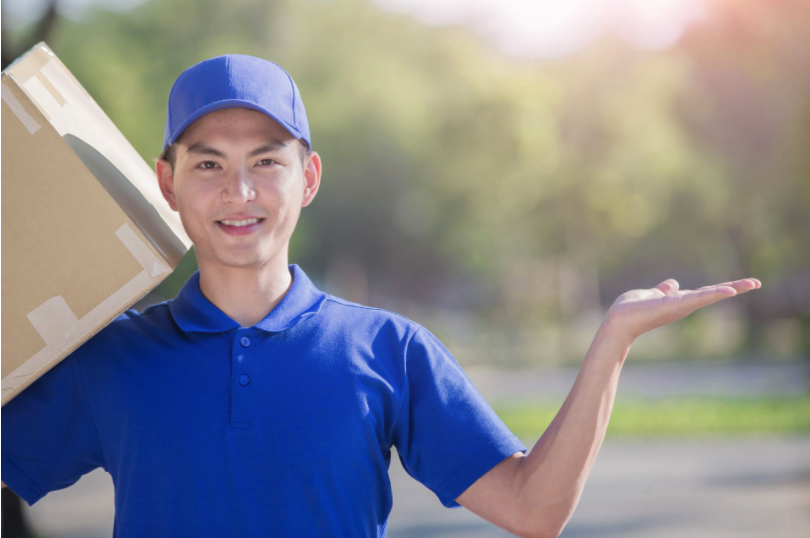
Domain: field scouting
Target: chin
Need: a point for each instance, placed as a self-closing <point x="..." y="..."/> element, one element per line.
<point x="252" y="260"/>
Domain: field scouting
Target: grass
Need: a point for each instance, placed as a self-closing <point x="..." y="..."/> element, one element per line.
<point x="682" y="416"/>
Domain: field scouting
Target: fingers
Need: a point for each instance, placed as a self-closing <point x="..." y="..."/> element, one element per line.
<point x="743" y="285"/>
<point x="711" y="294"/>
<point x="696" y="299"/>
<point x="715" y="285"/>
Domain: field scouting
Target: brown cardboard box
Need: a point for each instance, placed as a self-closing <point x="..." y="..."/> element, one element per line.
<point x="86" y="231"/>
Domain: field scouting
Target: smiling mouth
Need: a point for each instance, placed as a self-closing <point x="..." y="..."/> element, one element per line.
<point x="240" y="224"/>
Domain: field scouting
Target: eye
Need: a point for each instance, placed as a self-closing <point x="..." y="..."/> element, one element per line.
<point x="269" y="160"/>
<point x="202" y="165"/>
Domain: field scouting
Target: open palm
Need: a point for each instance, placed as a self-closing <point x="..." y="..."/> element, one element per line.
<point x="638" y="311"/>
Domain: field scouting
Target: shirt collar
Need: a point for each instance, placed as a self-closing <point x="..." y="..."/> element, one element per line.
<point x="194" y="312"/>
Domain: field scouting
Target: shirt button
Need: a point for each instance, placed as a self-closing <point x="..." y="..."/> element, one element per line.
<point x="245" y="341"/>
<point x="244" y="380"/>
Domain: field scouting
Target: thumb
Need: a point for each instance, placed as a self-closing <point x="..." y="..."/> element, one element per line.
<point x="668" y="285"/>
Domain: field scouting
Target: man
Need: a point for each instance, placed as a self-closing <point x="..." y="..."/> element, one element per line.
<point x="254" y="404"/>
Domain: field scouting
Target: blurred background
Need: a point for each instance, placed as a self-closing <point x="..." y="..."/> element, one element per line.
<point x="500" y="171"/>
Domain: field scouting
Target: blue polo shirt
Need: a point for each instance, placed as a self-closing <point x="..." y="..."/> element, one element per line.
<point x="284" y="428"/>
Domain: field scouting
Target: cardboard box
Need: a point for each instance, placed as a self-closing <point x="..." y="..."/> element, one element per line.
<point x="86" y="231"/>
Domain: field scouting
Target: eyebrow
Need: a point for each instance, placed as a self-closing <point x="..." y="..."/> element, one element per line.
<point x="201" y="149"/>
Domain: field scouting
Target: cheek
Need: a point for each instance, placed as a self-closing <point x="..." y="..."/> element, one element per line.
<point x="193" y="207"/>
<point x="291" y="200"/>
<point x="294" y="190"/>
<point x="285" y="198"/>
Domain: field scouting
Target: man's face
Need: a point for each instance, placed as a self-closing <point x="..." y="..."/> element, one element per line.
<point x="233" y="164"/>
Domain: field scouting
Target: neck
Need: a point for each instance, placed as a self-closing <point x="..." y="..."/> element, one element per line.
<point x="246" y="294"/>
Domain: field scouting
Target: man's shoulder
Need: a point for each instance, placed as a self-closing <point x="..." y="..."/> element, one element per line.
<point x="352" y="314"/>
<point x="156" y="313"/>
<point x="130" y="323"/>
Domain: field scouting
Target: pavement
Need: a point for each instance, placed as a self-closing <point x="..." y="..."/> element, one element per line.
<point x="651" y="489"/>
<point x="654" y="489"/>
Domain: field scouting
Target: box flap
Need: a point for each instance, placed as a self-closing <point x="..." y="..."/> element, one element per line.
<point x="101" y="146"/>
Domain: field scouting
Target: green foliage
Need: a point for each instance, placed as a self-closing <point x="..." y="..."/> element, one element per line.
<point x="443" y="159"/>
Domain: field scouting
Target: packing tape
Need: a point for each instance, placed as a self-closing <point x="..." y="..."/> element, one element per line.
<point x="15" y="106"/>
<point x="141" y="251"/>
<point x="59" y="77"/>
<point x="42" y="87"/>
<point x="48" y="104"/>
<point x="61" y="329"/>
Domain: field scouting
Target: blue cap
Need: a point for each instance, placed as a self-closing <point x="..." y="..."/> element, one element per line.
<point x="235" y="80"/>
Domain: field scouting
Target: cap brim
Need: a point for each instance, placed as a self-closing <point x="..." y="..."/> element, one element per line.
<point x="230" y="103"/>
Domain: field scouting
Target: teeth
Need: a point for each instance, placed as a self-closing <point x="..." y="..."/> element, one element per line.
<point x="239" y="222"/>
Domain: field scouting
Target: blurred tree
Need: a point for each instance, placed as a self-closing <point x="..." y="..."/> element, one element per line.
<point x="520" y="195"/>
<point x="12" y="47"/>
<point x="750" y="78"/>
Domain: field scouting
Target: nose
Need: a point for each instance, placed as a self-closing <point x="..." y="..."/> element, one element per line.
<point x="239" y="188"/>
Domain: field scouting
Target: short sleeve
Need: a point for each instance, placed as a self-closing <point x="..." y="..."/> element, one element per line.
<point x="49" y="436"/>
<point x="447" y="435"/>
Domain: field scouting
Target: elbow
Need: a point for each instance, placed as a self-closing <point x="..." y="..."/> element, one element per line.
<point x="541" y="530"/>
<point x="541" y="525"/>
<point x="542" y="534"/>
<point x="542" y="513"/>
<point x="534" y="533"/>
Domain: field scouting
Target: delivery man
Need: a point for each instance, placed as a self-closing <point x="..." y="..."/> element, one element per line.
<point x="255" y="404"/>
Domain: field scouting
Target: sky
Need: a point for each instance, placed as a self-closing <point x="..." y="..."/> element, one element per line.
<point x="521" y="28"/>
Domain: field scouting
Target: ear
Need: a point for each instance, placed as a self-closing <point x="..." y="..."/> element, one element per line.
<point x="165" y="177"/>
<point x="312" y="177"/>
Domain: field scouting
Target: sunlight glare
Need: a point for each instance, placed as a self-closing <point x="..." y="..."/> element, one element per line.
<point x="551" y="28"/>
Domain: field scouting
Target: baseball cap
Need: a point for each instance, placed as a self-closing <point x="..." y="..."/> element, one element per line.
<point x="235" y="80"/>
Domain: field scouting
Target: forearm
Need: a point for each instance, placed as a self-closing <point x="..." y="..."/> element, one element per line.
<point x="553" y="474"/>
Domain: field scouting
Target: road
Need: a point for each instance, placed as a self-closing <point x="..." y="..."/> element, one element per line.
<point x="649" y="489"/>
<point x="661" y="489"/>
<point x="751" y="379"/>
